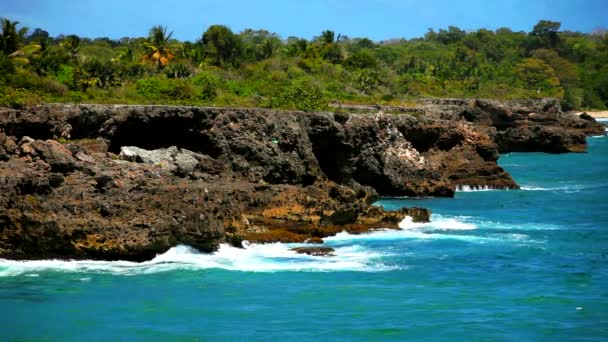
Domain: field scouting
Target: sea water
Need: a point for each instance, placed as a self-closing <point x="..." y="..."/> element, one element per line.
<point x="529" y="264"/>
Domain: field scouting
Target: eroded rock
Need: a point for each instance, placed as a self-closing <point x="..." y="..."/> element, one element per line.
<point x="203" y="176"/>
<point x="315" y="251"/>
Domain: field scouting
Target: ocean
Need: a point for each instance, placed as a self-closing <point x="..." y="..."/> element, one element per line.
<point x="493" y="265"/>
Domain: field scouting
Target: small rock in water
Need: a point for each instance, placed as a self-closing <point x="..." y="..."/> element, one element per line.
<point x="315" y="251"/>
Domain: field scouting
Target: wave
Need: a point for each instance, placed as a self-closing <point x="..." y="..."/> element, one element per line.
<point x="565" y="188"/>
<point x="447" y="228"/>
<point x="394" y="234"/>
<point x="436" y="229"/>
<point x="468" y="188"/>
<point x="253" y="258"/>
<point x="438" y="222"/>
<point x="475" y="188"/>
<point x="350" y="254"/>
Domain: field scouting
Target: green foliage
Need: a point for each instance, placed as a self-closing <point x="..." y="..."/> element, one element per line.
<point x="573" y="98"/>
<point x="546" y="33"/>
<point x="11" y="37"/>
<point x="17" y="98"/>
<point x="536" y="74"/>
<point x="167" y="89"/>
<point x="257" y="67"/>
<point x="6" y="66"/>
<point x="361" y="60"/>
<point x="159" y="49"/>
<point x="300" y="95"/>
<point x="65" y="75"/>
<point x="206" y="84"/>
<point x="178" y="71"/>
<point x="101" y="74"/>
<point x="223" y="46"/>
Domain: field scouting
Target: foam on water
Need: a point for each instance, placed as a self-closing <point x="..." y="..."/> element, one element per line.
<point x="474" y="188"/>
<point x="276" y="257"/>
<point x="439" y="222"/>
<point x="565" y="188"/>
<point x="438" y="228"/>
<point x="253" y="258"/>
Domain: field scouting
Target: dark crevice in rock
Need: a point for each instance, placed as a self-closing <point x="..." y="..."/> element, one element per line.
<point x="330" y="149"/>
<point x="162" y="132"/>
<point x="35" y="130"/>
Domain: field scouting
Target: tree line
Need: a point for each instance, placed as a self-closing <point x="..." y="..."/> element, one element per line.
<point x="260" y="68"/>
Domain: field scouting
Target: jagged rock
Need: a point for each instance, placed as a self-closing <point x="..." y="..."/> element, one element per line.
<point x="202" y="176"/>
<point x="174" y="159"/>
<point x="315" y="251"/>
<point x="55" y="154"/>
<point x="104" y="183"/>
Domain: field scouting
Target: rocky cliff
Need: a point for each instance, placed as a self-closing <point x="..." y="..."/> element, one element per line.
<point x="128" y="182"/>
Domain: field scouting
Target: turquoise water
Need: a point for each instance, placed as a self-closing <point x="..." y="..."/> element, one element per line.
<point x="530" y="264"/>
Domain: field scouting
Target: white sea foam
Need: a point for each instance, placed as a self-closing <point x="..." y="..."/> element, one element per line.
<point x="436" y="229"/>
<point x="535" y="188"/>
<point x="566" y="188"/>
<point x="254" y="258"/>
<point x="475" y="188"/>
<point x="439" y="222"/>
<point x="394" y="234"/>
<point x="517" y="226"/>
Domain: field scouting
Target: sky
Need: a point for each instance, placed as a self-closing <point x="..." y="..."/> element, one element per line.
<point x="375" y="19"/>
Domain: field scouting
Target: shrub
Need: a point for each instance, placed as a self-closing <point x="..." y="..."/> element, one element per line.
<point x="65" y="75"/>
<point x="18" y="98"/>
<point x="573" y="98"/>
<point x="177" y="71"/>
<point x="157" y="88"/>
<point x="361" y="60"/>
<point x="22" y="79"/>
<point x="206" y="84"/>
<point x="6" y="66"/>
<point x="300" y="95"/>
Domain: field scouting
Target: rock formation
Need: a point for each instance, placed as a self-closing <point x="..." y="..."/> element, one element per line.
<point x="128" y="182"/>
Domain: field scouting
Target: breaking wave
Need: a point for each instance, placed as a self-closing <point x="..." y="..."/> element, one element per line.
<point x="253" y="258"/>
<point x="473" y="188"/>
<point x="351" y="252"/>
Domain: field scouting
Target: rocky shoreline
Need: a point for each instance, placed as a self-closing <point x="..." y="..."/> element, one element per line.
<point x="128" y="182"/>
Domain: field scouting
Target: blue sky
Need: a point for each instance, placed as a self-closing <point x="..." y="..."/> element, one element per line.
<point x="376" y="19"/>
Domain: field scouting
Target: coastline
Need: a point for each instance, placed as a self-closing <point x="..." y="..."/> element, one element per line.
<point x="205" y="176"/>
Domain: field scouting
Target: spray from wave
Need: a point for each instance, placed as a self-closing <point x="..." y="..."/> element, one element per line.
<point x="475" y="188"/>
<point x="253" y="258"/>
<point x="351" y="252"/>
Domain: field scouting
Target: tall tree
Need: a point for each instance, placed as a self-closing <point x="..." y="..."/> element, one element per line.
<point x="72" y="44"/>
<point x="546" y="32"/>
<point x="327" y="37"/>
<point x="222" y="45"/>
<point x="11" y="37"/>
<point x="158" y="46"/>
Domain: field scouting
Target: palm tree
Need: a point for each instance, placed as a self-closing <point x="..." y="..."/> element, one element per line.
<point x="158" y="46"/>
<point x="72" y="43"/>
<point x="327" y="37"/>
<point x="268" y="47"/>
<point x="11" y="37"/>
<point x="127" y="55"/>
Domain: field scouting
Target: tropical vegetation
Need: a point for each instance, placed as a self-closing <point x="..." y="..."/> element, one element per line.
<point x="260" y="68"/>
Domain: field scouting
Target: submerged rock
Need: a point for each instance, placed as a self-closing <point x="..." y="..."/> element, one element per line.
<point x="315" y="251"/>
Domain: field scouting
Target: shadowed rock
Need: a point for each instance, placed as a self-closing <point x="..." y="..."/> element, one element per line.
<point x="315" y="251"/>
<point x="137" y="180"/>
